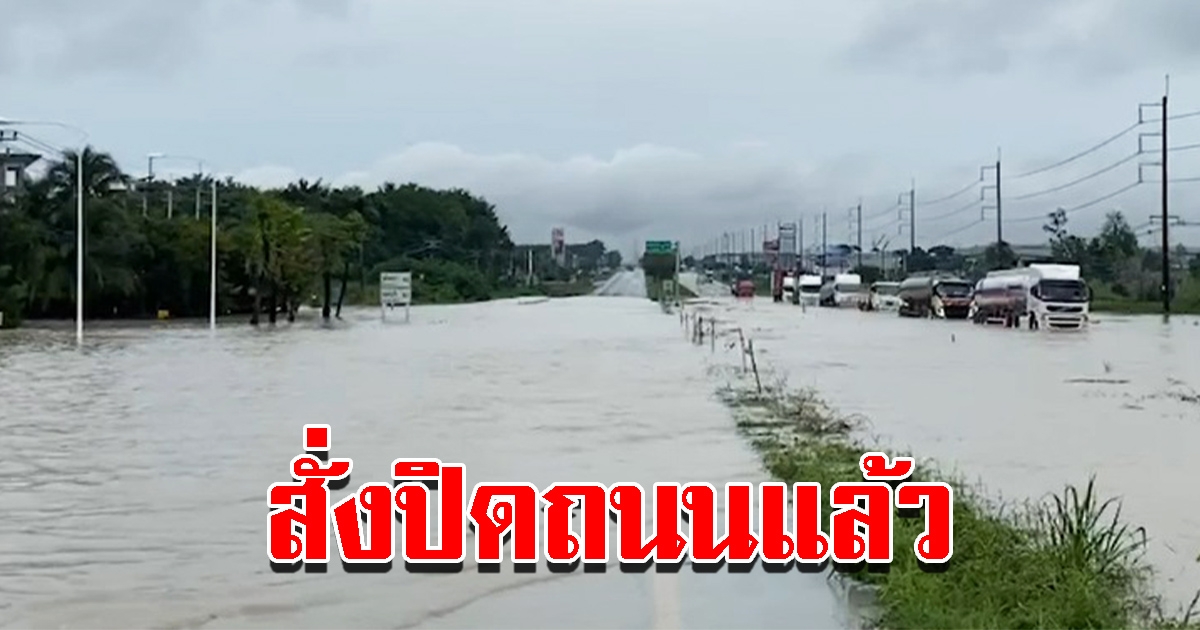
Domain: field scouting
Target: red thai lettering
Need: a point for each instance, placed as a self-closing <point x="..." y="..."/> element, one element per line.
<point x="412" y="499"/>
<point x="562" y="545"/>
<point x="875" y="467"/>
<point x="370" y="542"/>
<point x="874" y="544"/>
<point x="298" y="532"/>
<point x="739" y="544"/>
<point x="317" y="438"/>
<point x="812" y="545"/>
<point x="777" y="545"/>
<point x="628" y="500"/>
<point x="298" y="516"/>
<point x="500" y="509"/>
<point x="936" y="544"/>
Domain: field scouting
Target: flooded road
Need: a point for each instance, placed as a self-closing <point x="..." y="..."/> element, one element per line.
<point x="135" y="471"/>
<point x="1022" y="412"/>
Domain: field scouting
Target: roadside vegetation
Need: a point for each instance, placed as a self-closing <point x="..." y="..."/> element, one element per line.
<point x="305" y="243"/>
<point x="1069" y="561"/>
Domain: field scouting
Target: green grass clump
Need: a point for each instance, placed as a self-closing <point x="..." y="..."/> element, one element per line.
<point x="1066" y="562"/>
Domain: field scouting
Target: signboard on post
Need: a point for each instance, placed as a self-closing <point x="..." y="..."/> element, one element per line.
<point x="660" y="247"/>
<point x="558" y="246"/>
<point x="395" y="289"/>
<point x="787" y="244"/>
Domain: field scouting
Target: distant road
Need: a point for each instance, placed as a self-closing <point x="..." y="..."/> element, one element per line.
<point x="702" y="287"/>
<point x="624" y="284"/>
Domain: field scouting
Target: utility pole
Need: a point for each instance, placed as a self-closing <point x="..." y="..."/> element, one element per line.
<point x="824" y="241"/>
<point x="170" y="200"/>
<point x="800" y="242"/>
<point x="859" y="221"/>
<point x="149" y="179"/>
<point x="912" y="217"/>
<point x="999" y="213"/>
<point x="1166" y="257"/>
<point x="983" y="192"/>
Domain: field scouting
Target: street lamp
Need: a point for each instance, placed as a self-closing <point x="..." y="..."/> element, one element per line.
<point x="212" y="279"/>
<point x="78" y="212"/>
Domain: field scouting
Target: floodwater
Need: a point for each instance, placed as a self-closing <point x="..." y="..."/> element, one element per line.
<point x="135" y="471"/>
<point x="1022" y="412"/>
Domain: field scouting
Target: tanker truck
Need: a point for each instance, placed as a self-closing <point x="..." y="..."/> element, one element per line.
<point x="1046" y="295"/>
<point x="944" y="297"/>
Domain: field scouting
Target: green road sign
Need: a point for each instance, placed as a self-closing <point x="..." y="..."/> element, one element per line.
<point x="660" y="247"/>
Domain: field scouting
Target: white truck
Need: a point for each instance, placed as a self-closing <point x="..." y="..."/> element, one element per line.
<point x="843" y="290"/>
<point x="884" y="296"/>
<point x="1046" y="295"/>
<point x="810" y="289"/>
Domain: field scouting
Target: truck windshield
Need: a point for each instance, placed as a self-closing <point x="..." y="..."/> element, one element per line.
<point x="887" y="289"/>
<point x="953" y="289"/>
<point x="810" y="288"/>
<point x="847" y="288"/>
<point x="1062" y="291"/>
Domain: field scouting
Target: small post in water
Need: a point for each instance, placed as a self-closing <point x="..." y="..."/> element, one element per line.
<point x="754" y="365"/>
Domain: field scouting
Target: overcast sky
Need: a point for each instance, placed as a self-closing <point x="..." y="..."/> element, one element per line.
<point x="635" y="119"/>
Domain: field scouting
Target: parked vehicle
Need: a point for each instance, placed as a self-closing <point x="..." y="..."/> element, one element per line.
<point x="883" y="296"/>
<point x="1046" y="295"/>
<point x="810" y="289"/>
<point x="843" y="290"/>
<point x="743" y="288"/>
<point x="789" y="287"/>
<point x="941" y="296"/>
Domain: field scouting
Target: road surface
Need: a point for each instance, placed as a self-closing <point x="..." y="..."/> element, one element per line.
<point x="624" y="284"/>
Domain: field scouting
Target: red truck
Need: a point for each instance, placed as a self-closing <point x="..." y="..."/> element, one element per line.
<point x="743" y="288"/>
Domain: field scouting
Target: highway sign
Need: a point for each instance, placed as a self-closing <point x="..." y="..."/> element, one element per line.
<point x="395" y="289"/>
<point x="660" y="247"/>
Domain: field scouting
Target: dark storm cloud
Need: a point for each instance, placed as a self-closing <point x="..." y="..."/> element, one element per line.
<point x="74" y="38"/>
<point x="1091" y="38"/>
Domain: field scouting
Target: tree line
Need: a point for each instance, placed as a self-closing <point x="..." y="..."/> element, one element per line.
<point x="277" y="249"/>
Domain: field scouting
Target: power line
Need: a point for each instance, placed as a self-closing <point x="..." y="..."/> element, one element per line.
<point x="1080" y="180"/>
<point x="950" y="196"/>
<point x="964" y="228"/>
<point x="972" y="204"/>
<point x="1081" y="206"/>
<point x="1111" y="139"/>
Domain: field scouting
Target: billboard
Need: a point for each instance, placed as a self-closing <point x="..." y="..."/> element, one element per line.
<point x="787" y="238"/>
<point x="558" y="246"/>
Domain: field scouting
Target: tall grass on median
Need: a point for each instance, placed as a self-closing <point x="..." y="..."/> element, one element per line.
<point x="1067" y="562"/>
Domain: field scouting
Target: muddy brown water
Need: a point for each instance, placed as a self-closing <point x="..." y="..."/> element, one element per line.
<point x="1021" y="412"/>
<point x="135" y="469"/>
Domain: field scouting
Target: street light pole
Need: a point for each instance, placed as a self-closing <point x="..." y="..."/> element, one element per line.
<point x="79" y="225"/>
<point x="212" y="279"/>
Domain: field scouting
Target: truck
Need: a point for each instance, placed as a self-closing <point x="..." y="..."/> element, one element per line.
<point x="810" y="289"/>
<point x="842" y="290"/>
<point x="1052" y="296"/>
<point x="883" y="296"/>
<point x="777" y="284"/>
<point x="940" y="296"/>
<point x="743" y="288"/>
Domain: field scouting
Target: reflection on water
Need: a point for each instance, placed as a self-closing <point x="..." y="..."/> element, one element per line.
<point x="135" y="470"/>
<point x="1000" y="406"/>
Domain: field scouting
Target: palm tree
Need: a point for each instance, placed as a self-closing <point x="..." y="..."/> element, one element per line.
<point x="101" y="175"/>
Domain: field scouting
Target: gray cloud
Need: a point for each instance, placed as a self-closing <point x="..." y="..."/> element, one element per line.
<point x="1090" y="38"/>
<point x="627" y="119"/>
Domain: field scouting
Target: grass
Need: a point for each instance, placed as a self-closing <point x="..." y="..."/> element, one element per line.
<point x="1065" y="562"/>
